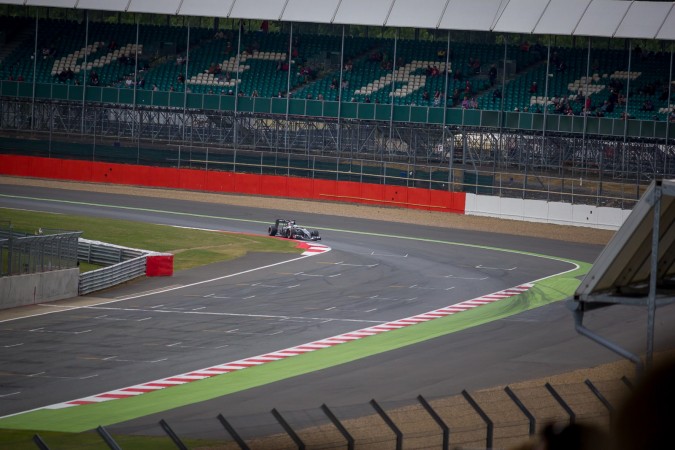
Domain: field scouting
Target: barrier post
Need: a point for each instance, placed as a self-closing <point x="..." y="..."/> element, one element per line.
<point x="561" y="402"/>
<point x="230" y="429"/>
<point x="437" y="418"/>
<point x="110" y="442"/>
<point x="288" y="429"/>
<point x="351" y="443"/>
<point x="521" y="406"/>
<point x="600" y="397"/>
<point x="174" y="437"/>
<point x="390" y="423"/>
<point x="37" y="440"/>
<point x="490" y="426"/>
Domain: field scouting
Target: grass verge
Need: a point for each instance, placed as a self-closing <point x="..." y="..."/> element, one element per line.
<point x="191" y="248"/>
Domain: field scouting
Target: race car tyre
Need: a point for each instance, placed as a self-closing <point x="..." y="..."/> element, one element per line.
<point x="288" y="234"/>
<point x="272" y="231"/>
<point x="315" y="233"/>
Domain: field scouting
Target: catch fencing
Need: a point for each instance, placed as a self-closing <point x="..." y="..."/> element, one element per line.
<point x="22" y="253"/>
<point x="494" y="419"/>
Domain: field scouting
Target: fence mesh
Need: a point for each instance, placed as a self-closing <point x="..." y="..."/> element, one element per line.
<point x="44" y="251"/>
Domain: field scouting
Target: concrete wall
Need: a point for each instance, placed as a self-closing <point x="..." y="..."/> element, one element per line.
<point x="545" y="212"/>
<point x="22" y="290"/>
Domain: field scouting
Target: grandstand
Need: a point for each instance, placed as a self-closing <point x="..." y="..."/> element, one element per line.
<point x="443" y="96"/>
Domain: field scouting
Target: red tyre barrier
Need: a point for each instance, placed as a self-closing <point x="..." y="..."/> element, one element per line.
<point x="159" y="265"/>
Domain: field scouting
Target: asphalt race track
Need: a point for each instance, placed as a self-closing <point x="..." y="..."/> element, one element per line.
<point x="376" y="272"/>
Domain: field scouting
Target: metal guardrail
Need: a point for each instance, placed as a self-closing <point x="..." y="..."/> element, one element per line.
<point x="104" y="254"/>
<point x="123" y="264"/>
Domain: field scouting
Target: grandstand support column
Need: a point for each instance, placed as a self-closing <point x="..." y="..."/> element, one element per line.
<point x="339" y="99"/>
<point x="84" y="68"/>
<point x="543" y="130"/>
<point x="138" y="141"/>
<point x="288" y="85"/>
<point x="235" y="126"/>
<point x="185" y="84"/>
<point x="501" y="112"/>
<point x="133" y="103"/>
<point x="445" y="101"/>
<point x="393" y="88"/>
<point x="584" y="164"/>
<point x="670" y="107"/>
<point x="625" y="118"/>
<point x="32" y="112"/>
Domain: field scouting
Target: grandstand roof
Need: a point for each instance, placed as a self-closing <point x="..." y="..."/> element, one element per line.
<point x="601" y="18"/>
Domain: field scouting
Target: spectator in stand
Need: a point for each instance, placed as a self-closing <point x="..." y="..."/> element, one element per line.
<point x="492" y="74"/>
<point x="425" y="96"/>
<point x="647" y="106"/>
<point x="496" y="95"/>
<point x="671" y="116"/>
<point x="533" y="87"/>
<point x="525" y="46"/>
<point x="555" y="59"/>
<point x="537" y="50"/>
<point x="466" y="103"/>
<point x="93" y="78"/>
<point x="475" y="67"/>
<point x="455" y="97"/>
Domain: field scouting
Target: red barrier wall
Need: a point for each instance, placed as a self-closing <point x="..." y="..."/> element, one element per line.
<point x="200" y="180"/>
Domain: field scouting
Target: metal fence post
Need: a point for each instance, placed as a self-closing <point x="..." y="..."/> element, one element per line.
<point x="562" y="402"/>
<point x="287" y="428"/>
<point x="521" y="406"/>
<point x="351" y="443"/>
<point x="174" y="437"/>
<point x="230" y="429"/>
<point x="107" y="438"/>
<point x="390" y="423"/>
<point x="601" y="397"/>
<point x="434" y="415"/>
<point x="39" y="442"/>
<point x="486" y="419"/>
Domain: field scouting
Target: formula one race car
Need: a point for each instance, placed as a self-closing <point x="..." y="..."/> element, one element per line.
<point x="290" y="230"/>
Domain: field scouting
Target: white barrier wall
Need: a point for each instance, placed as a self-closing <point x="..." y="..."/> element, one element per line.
<point x="29" y="289"/>
<point x="545" y="212"/>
